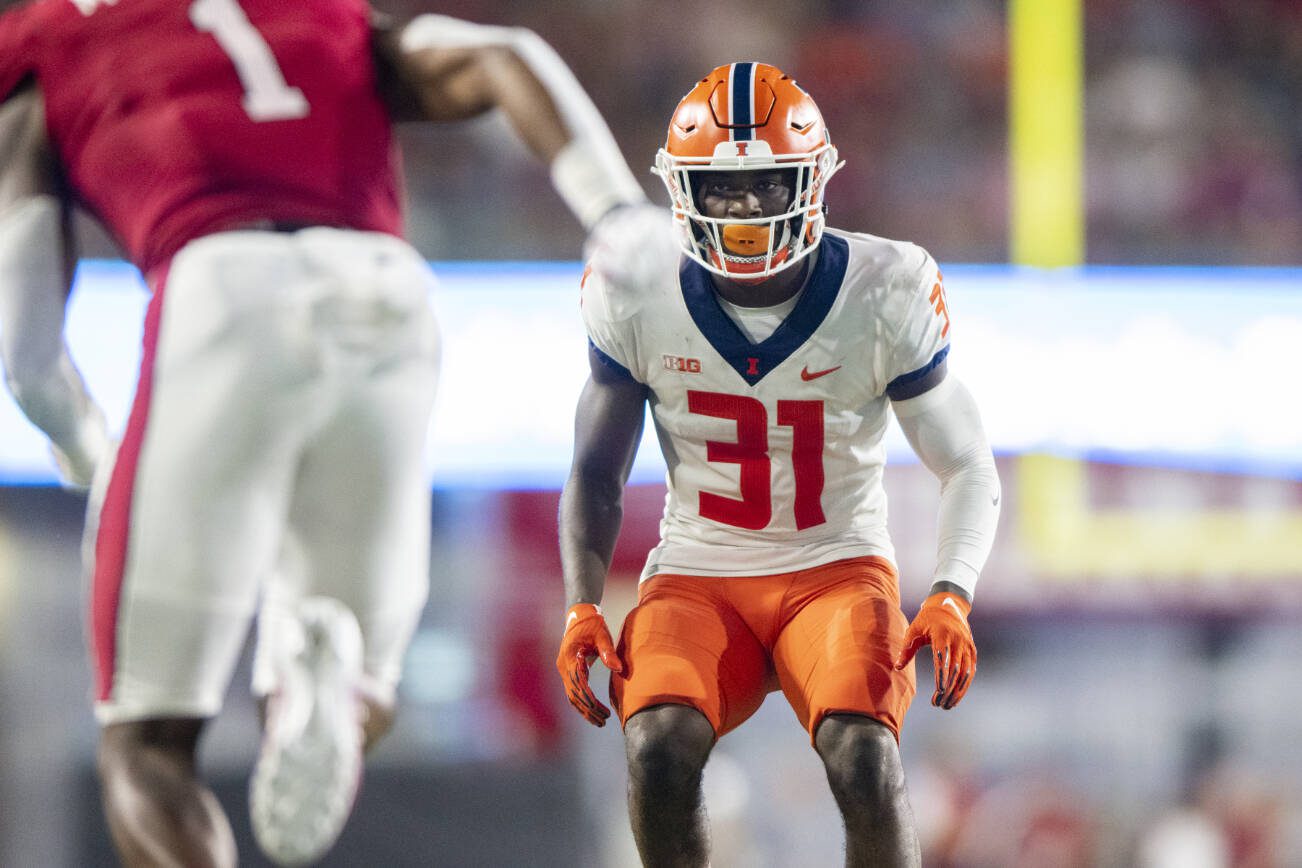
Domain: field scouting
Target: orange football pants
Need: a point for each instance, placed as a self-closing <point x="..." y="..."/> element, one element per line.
<point x="827" y="636"/>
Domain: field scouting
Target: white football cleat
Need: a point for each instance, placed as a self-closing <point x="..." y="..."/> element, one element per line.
<point x="310" y="765"/>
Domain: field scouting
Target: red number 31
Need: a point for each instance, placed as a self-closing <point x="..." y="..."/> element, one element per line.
<point x="750" y="451"/>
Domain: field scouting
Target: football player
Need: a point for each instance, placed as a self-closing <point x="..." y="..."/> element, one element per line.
<point x="772" y="354"/>
<point x="241" y="152"/>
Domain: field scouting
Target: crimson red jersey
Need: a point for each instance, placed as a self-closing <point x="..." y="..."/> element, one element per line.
<point x="177" y="118"/>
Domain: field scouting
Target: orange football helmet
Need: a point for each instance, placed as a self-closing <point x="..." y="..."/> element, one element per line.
<point x="740" y="118"/>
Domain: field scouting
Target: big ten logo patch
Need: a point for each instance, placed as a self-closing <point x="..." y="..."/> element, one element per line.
<point x="939" y="304"/>
<point x="678" y="363"/>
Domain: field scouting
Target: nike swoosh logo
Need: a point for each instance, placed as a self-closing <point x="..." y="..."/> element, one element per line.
<point x="949" y="601"/>
<point x="807" y="375"/>
<point x="994" y="501"/>
<point x="574" y="616"/>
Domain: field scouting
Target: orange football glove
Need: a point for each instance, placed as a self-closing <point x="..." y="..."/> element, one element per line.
<point x="942" y="624"/>
<point x="586" y="638"/>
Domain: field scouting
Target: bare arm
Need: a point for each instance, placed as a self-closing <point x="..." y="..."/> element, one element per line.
<point x="607" y="430"/>
<point x="452" y="82"/>
<point x="437" y="68"/>
<point x="37" y="259"/>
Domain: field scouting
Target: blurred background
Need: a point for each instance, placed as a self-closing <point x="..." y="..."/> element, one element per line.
<point x="1140" y="619"/>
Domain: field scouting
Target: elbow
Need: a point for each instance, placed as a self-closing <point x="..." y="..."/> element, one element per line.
<point x="601" y="487"/>
<point x="993" y="487"/>
<point x="522" y="41"/>
<point x="974" y="479"/>
<point x="984" y="468"/>
<point x="976" y="465"/>
<point x="432" y="31"/>
<point x="519" y="54"/>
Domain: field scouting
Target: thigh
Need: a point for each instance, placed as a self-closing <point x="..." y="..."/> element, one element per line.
<point x="195" y="500"/>
<point x="836" y="650"/>
<point x="359" y="518"/>
<point x="684" y="645"/>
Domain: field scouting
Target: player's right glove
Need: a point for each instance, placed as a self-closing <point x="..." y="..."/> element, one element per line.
<point x="942" y="624"/>
<point x="586" y="638"/>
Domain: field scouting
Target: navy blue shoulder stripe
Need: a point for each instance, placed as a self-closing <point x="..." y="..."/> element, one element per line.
<point x="753" y="361"/>
<point x="610" y="363"/>
<point x="914" y="383"/>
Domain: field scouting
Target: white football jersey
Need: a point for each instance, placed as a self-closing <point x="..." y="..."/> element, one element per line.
<point x="774" y="449"/>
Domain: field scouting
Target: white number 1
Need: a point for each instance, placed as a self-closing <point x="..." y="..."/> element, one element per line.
<point x="266" y="95"/>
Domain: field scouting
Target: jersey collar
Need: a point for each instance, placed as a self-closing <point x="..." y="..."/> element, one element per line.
<point x="753" y="361"/>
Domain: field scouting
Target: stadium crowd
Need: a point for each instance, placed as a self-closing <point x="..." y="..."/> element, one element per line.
<point x="1192" y="139"/>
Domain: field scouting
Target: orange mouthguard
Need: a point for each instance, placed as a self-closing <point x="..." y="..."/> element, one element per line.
<point x="745" y="240"/>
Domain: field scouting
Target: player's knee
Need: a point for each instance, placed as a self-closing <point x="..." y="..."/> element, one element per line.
<point x="111" y="755"/>
<point x="123" y="746"/>
<point x="667" y="747"/>
<point x="862" y="759"/>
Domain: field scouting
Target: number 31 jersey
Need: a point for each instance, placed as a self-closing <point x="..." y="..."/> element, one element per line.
<point x="774" y="450"/>
<point x="177" y="118"/>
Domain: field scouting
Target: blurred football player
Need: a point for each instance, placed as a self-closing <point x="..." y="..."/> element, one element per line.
<point x="772" y="354"/>
<point x="241" y="152"/>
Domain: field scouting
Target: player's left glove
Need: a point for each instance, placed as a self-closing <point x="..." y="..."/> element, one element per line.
<point x="942" y="624"/>
<point x="586" y="638"/>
